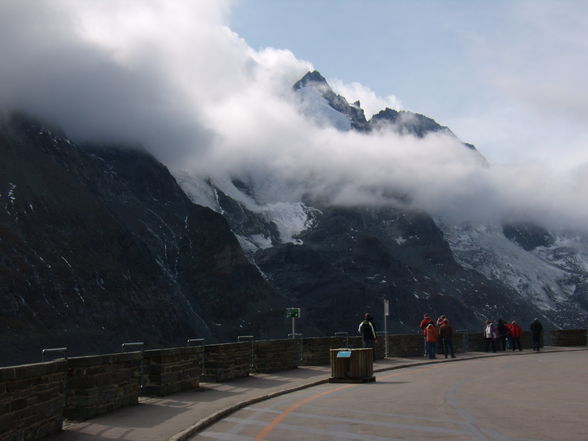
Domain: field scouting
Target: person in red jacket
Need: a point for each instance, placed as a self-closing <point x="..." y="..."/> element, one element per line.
<point x="516" y="332"/>
<point x="431" y="336"/>
<point x="424" y="323"/>
<point x="508" y="335"/>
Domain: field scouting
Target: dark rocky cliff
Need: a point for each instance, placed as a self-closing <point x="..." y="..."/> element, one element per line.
<point x="99" y="245"/>
<point x="354" y="258"/>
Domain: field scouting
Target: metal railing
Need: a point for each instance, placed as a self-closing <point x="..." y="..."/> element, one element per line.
<point x="52" y="350"/>
<point x="465" y="339"/>
<point x="343" y="334"/>
<point x="141" y="345"/>
<point x="298" y="335"/>
<point x="252" y="356"/>
<point x="198" y="342"/>
<point x="132" y="345"/>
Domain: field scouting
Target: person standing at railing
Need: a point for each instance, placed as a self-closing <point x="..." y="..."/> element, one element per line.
<point x="490" y="335"/>
<point x="446" y="334"/>
<point x="516" y="333"/>
<point x="536" y="331"/>
<point x="423" y="325"/>
<point x="431" y="337"/>
<point x="368" y="332"/>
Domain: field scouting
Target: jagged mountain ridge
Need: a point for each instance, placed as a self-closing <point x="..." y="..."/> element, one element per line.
<point x="508" y="290"/>
<point x="99" y="245"/>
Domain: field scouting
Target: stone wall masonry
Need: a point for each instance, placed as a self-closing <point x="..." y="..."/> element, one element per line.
<point x="569" y="337"/>
<point x="316" y="350"/>
<point x="409" y="345"/>
<point x="167" y="371"/>
<point x="227" y="361"/>
<point x="277" y="355"/>
<point x="102" y="383"/>
<point x="31" y="400"/>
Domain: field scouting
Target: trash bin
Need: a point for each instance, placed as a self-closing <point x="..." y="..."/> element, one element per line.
<point x="352" y="366"/>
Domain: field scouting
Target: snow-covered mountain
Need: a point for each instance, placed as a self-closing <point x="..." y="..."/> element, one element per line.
<point x="337" y="261"/>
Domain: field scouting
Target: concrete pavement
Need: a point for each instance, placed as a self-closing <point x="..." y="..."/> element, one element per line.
<point x="543" y="397"/>
<point x="178" y="417"/>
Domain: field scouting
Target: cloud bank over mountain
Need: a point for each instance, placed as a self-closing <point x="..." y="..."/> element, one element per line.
<point x="173" y="76"/>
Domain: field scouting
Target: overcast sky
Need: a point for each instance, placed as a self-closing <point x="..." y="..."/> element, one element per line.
<point x="207" y="87"/>
<point x="506" y="75"/>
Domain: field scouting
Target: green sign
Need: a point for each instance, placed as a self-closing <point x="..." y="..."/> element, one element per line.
<point x="293" y="312"/>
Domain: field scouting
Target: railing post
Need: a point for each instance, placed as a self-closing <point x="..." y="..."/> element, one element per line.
<point x="48" y="350"/>
<point x="252" y="339"/>
<point x="343" y="334"/>
<point x="300" y="348"/>
<point x="199" y="342"/>
<point x="65" y="382"/>
<point x="465" y="340"/>
<point x="138" y="344"/>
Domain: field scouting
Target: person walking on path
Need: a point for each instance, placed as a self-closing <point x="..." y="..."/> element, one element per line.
<point x="446" y="334"/>
<point x="368" y="332"/>
<point x="536" y="331"/>
<point x="516" y="332"/>
<point x="431" y="337"/>
<point x="426" y="321"/>
<point x="490" y="336"/>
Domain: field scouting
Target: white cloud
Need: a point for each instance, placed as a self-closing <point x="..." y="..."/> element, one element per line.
<point x="370" y="102"/>
<point x="175" y="78"/>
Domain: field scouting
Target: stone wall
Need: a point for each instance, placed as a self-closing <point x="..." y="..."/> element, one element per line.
<point x="409" y="345"/>
<point x="228" y="361"/>
<point x="316" y="350"/>
<point x="35" y="398"/>
<point x="569" y="337"/>
<point x="31" y="400"/>
<point x="101" y="383"/>
<point x="277" y="355"/>
<point x="167" y="371"/>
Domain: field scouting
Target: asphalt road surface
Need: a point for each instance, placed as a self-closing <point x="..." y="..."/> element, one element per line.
<point x="535" y="397"/>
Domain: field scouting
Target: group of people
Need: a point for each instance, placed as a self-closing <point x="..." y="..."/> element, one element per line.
<point x="442" y="332"/>
<point x="508" y="335"/>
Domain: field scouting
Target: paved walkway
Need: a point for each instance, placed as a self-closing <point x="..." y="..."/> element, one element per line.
<point x="177" y="417"/>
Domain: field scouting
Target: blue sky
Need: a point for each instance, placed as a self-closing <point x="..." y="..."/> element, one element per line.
<point x="507" y="76"/>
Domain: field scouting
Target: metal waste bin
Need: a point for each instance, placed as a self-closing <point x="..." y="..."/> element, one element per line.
<point x="352" y="366"/>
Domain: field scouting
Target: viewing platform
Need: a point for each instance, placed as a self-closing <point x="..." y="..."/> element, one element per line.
<point x="178" y="408"/>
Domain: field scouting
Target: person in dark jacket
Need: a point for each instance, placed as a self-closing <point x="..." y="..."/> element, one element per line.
<point x="536" y="331"/>
<point x="446" y="334"/>
<point x="516" y="333"/>
<point x="367" y="331"/>
<point x="502" y="331"/>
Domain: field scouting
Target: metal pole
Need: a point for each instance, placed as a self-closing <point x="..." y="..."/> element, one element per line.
<point x="251" y="359"/>
<point x="386" y="313"/>
<point x="200" y="342"/>
<point x="343" y="334"/>
<point x="293" y="327"/>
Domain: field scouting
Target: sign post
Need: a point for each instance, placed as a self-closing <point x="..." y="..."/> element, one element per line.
<point x="386" y="314"/>
<point x="293" y="313"/>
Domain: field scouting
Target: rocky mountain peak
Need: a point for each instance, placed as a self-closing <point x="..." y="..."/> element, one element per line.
<point x="353" y="112"/>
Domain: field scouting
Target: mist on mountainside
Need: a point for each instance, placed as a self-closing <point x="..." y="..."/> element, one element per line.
<point x="176" y="79"/>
